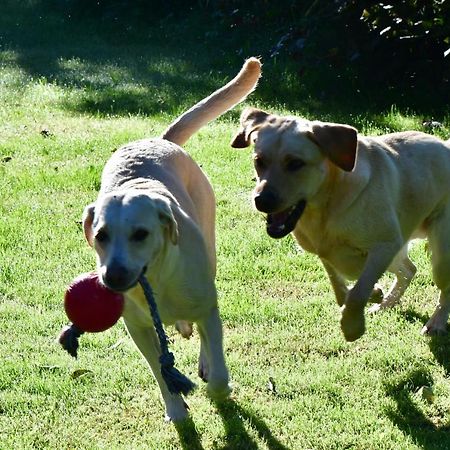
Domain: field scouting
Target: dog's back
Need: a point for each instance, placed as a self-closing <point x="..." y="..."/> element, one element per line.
<point x="421" y="166"/>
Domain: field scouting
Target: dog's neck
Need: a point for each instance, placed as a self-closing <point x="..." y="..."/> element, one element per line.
<point x="324" y="195"/>
<point x="164" y="265"/>
<point x="340" y="188"/>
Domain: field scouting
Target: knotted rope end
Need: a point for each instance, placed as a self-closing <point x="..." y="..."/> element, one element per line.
<point x="68" y="338"/>
<point x="176" y="382"/>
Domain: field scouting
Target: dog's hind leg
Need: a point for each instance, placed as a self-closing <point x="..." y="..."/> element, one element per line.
<point x="212" y="366"/>
<point x="439" y="244"/>
<point x="437" y="324"/>
<point x="404" y="270"/>
<point x="147" y="342"/>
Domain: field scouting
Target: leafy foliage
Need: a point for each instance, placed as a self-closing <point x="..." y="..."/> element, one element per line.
<point x="404" y="45"/>
<point x="411" y="38"/>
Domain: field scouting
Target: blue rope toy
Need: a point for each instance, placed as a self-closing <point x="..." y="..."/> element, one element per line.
<point x="176" y="382"/>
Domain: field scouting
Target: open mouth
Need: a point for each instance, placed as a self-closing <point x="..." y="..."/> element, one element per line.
<point x="282" y="223"/>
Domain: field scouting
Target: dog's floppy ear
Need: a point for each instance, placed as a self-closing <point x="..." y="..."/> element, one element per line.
<point x="88" y="218"/>
<point x="338" y="142"/>
<point x="168" y="220"/>
<point x="251" y="120"/>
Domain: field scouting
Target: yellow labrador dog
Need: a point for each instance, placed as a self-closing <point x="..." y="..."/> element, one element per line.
<point x="355" y="202"/>
<point x="155" y="214"/>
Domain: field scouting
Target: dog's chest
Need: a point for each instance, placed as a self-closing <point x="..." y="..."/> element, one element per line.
<point x="184" y="303"/>
<point x="313" y="233"/>
<point x="331" y="243"/>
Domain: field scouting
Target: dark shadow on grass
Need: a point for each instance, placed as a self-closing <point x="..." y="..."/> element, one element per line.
<point x="235" y="419"/>
<point x="168" y="64"/>
<point x="108" y="73"/>
<point x="189" y="438"/>
<point x="107" y="81"/>
<point x="409" y="419"/>
<point x="439" y="345"/>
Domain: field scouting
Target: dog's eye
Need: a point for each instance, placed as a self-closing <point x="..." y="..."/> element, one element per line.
<point x="294" y="164"/>
<point x="101" y="236"/>
<point x="139" y="235"/>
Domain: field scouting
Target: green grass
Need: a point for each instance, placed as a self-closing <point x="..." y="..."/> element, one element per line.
<point x="64" y="107"/>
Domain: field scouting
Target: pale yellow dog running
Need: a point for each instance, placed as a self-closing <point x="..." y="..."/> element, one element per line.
<point x="155" y="214"/>
<point x="356" y="202"/>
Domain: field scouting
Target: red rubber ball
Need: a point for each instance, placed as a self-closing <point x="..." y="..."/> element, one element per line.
<point x="90" y="305"/>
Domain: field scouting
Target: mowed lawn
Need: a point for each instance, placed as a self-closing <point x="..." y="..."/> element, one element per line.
<point x="65" y="106"/>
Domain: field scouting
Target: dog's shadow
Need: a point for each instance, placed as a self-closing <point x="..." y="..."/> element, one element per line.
<point x="439" y="345"/>
<point x="189" y="437"/>
<point x="410" y="419"/>
<point x="235" y="419"/>
<point x="406" y="415"/>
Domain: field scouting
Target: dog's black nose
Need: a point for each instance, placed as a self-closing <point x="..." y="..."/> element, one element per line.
<point x="116" y="277"/>
<point x="266" y="201"/>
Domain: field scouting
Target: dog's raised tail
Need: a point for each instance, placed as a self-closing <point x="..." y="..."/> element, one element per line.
<point x="216" y="104"/>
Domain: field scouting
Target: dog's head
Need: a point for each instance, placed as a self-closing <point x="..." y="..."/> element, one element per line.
<point x="128" y="231"/>
<point x="292" y="161"/>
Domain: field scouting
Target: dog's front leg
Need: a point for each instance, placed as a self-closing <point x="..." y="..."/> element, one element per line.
<point x="337" y="283"/>
<point x="340" y="288"/>
<point x="212" y="366"/>
<point x="147" y="342"/>
<point x="352" y="313"/>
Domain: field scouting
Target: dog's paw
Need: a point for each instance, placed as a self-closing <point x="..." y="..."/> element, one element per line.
<point x="177" y="411"/>
<point x="219" y="391"/>
<point x="352" y="322"/>
<point x="437" y="325"/>
<point x="375" y="308"/>
<point x="431" y="330"/>
<point x="377" y="295"/>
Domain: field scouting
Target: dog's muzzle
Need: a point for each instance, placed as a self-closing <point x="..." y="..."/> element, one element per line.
<point x="266" y="200"/>
<point x="118" y="278"/>
<point x="280" y="224"/>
